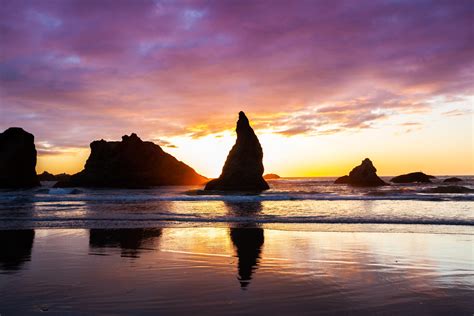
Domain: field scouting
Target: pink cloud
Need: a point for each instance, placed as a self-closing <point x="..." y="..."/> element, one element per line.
<point x="73" y="71"/>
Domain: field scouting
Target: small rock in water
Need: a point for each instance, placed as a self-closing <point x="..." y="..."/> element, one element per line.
<point x="452" y="179"/>
<point x="413" y="177"/>
<point x="450" y="189"/>
<point x="271" y="176"/>
<point x="364" y="175"/>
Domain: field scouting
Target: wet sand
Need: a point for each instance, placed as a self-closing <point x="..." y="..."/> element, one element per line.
<point x="234" y="270"/>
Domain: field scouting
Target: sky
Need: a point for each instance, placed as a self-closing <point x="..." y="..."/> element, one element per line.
<point x="325" y="84"/>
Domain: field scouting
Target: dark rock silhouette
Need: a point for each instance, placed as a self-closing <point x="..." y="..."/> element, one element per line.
<point x="17" y="159"/>
<point x="450" y="189"/>
<point x="271" y="176"/>
<point x="15" y="248"/>
<point x="46" y="176"/>
<point x="248" y="243"/>
<point x="452" y="179"/>
<point x="342" y="180"/>
<point x="62" y="177"/>
<point x="413" y="177"/>
<point x="131" y="241"/>
<point x="243" y="168"/>
<point x="364" y="175"/>
<point x="132" y="163"/>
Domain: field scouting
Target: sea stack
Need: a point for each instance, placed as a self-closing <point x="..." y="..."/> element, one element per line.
<point x="413" y="177"/>
<point x="364" y="175"/>
<point x="243" y="168"/>
<point x="131" y="163"/>
<point x="17" y="159"/>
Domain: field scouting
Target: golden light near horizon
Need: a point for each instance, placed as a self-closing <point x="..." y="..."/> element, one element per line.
<point x="319" y="155"/>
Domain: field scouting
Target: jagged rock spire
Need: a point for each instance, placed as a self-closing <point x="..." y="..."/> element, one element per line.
<point x="243" y="168"/>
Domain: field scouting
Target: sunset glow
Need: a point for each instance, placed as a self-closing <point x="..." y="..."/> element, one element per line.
<point x="324" y="84"/>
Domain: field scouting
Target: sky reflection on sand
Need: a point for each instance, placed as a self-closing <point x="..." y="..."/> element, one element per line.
<point x="190" y="269"/>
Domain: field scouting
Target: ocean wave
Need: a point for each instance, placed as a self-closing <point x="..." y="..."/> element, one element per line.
<point x="77" y="196"/>
<point x="248" y="219"/>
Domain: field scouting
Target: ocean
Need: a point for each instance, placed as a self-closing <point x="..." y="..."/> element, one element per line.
<point x="304" y="247"/>
<point x="289" y="201"/>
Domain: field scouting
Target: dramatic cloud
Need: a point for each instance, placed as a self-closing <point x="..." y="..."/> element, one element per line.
<point x="74" y="71"/>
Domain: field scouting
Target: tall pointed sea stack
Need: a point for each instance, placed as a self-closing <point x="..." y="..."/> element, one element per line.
<point x="17" y="159"/>
<point x="243" y="168"/>
<point x="364" y="175"/>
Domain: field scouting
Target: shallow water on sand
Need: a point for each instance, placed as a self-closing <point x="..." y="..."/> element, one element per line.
<point x="240" y="269"/>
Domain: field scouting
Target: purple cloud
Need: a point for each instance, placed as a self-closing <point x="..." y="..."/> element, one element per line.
<point x="74" y="71"/>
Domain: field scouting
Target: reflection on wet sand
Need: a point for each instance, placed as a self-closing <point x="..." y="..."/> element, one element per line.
<point x="299" y="272"/>
<point x="248" y="243"/>
<point x="15" y="249"/>
<point x="131" y="241"/>
<point x="248" y="239"/>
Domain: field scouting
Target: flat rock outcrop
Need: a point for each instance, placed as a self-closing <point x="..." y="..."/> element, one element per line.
<point x="413" y="178"/>
<point x="46" y="176"/>
<point x="17" y="159"/>
<point x="131" y="163"/>
<point x="342" y="180"/>
<point x="271" y="176"/>
<point x="243" y="168"/>
<point x="450" y="189"/>
<point x="364" y="175"/>
<point x="452" y="179"/>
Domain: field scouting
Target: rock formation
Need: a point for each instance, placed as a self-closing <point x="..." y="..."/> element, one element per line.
<point x="271" y="176"/>
<point x="452" y="179"/>
<point x="46" y="176"/>
<point x="62" y="177"/>
<point x="243" y="168"/>
<point x="413" y="177"/>
<point x="17" y="159"/>
<point x="342" y="180"/>
<point x="450" y="189"/>
<point x="363" y="175"/>
<point x="132" y="163"/>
